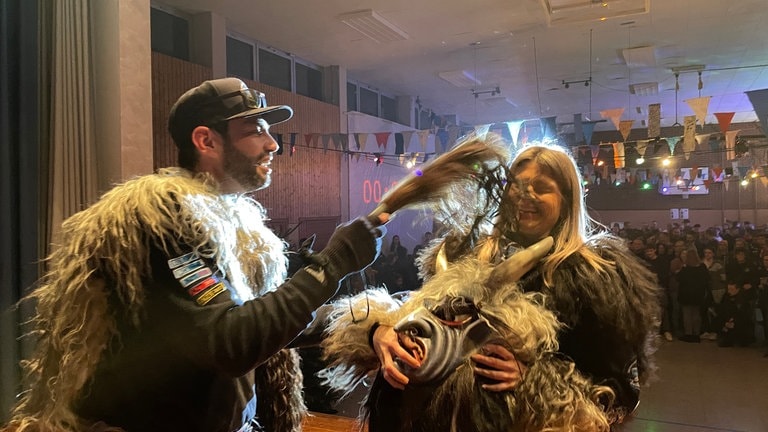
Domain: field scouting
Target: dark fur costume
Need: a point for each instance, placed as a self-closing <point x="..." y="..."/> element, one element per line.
<point x="554" y="394"/>
<point x="79" y="314"/>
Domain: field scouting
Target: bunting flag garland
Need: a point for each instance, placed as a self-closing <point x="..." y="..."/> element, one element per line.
<point x="672" y="143"/>
<point x="360" y="139"/>
<point x="578" y="129"/>
<point x="654" y="120"/>
<point x="514" y="130"/>
<point x="399" y="143"/>
<point x="641" y="146"/>
<point x="548" y="127"/>
<point x="407" y="135"/>
<point x="730" y="144"/>
<point x="700" y="106"/>
<point x="423" y="138"/>
<point x="625" y="127"/>
<point x="724" y="120"/>
<point x="326" y="140"/>
<point x="589" y="129"/>
<point x="613" y="114"/>
<point x="759" y="99"/>
<point x="381" y="139"/>
<point x="618" y="155"/>
<point x="308" y="139"/>
<point x="702" y="140"/>
<point x="482" y="130"/>
<point x="344" y="139"/>
<point x="689" y="135"/>
<point x="442" y="136"/>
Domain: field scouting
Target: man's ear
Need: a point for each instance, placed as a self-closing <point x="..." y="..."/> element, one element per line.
<point x="204" y="139"/>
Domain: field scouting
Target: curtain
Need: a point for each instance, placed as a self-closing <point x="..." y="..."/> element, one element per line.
<point x="19" y="192"/>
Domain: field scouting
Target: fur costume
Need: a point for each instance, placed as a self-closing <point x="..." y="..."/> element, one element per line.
<point x="554" y="395"/>
<point x="97" y="281"/>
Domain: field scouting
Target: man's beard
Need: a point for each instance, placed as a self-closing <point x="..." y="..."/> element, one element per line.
<point x="243" y="168"/>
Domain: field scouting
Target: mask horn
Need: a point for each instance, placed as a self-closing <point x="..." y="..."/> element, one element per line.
<point x="514" y="267"/>
<point x="441" y="261"/>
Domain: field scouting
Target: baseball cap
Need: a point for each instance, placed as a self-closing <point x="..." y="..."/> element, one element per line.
<point x="219" y="100"/>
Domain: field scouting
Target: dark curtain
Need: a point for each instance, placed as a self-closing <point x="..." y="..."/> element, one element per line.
<point x="19" y="182"/>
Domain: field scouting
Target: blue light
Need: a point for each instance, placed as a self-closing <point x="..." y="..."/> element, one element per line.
<point x="418" y="173"/>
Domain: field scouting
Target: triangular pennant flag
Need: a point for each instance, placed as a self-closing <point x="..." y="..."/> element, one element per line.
<point x="743" y="170"/>
<point x="618" y="155"/>
<point x="589" y="129"/>
<point x="326" y="140"/>
<point x="514" y="130"/>
<point x="724" y="120"/>
<point x="759" y="99"/>
<point x="309" y="139"/>
<point x="382" y="138"/>
<point x="641" y="146"/>
<point x="730" y="144"/>
<point x="407" y="135"/>
<point x="363" y="140"/>
<point x="442" y="136"/>
<point x="399" y="143"/>
<point x="548" y="127"/>
<point x="718" y="171"/>
<point x="344" y="139"/>
<point x="702" y="139"/>
<point x="578" y="129"/>
<point x="423" y="138"/>
<point x="336" y="139"/>
<point x="654" y="120"/>
<point x="482" y="130"/>
<point x="625" y="127"/>
<point x="613" y="114"/>
<point x="672" y="143"/>
<point x="400" y="157"/>
<point x="689" y="135"/>
<point x="700" y="106"/>
<point x="595" y="150"/>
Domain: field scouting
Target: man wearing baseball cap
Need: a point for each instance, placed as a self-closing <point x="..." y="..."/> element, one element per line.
<point x="166" y="307"/>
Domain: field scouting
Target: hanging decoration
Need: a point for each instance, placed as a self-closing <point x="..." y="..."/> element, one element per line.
<point x="618" y="155"/>
<point x="700" y="106"/>
<point x="613" y="114"/>
<point x="689" y="135"/>
<point x="654" y="120"/>
<point x="724" y="120"/>
<point x="548" y="127"/>
<point x="514" y="131"/>
<point x="625" y="127"/>
<point x="730" y="144"/>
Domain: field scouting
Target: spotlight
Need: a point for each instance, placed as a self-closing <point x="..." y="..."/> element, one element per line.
<point x="744" y="182"/>
<point x="640" y="160"/>
<point x="665" y="162"/>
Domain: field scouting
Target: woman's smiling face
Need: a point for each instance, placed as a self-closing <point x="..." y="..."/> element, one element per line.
<point x="539" y="201"/>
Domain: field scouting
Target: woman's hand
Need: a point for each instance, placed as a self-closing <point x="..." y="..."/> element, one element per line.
<point x="387" y="348"/>
<point x="499" y="364"/>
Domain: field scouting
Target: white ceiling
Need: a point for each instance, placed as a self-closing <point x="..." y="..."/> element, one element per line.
<point x="510" y="44"/>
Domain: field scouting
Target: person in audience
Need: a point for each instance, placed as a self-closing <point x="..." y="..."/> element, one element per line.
<point x="693" y="288"/>
<point x="717" y="289"/>
<point x="661" y="267"/>
<point x="733" y="317"/>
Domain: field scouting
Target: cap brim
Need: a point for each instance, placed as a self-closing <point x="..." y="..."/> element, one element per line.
<point x="273" y="114"/>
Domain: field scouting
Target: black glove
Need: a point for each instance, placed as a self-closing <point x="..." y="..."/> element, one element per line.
<point x="351" y="248"/>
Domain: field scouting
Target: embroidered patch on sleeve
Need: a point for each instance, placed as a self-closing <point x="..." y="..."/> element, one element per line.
<point x="191" y="278"/>
<point x="210" y="293"/>
<point x="179" y="261"/>
<point x="188" y="268"/>
<point x="202" y="285"/>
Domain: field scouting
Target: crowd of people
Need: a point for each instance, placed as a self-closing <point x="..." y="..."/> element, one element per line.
<point x="714" y="279"/>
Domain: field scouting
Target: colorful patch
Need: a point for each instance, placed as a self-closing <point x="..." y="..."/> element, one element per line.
<point x="188" y="268"/>
<point x="179" y="261"/>
<point x="210" y="293"/>
<point x="194" y="277"/>
<point x="205" y="283"/>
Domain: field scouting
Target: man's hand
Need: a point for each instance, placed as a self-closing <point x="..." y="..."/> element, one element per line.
<point x="387" y="348"/>
<point x="499" y="365"/>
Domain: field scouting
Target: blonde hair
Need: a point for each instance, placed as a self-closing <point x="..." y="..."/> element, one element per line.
<point x="575" y="227"/>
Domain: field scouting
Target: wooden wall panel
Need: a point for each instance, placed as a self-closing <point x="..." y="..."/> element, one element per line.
<point x="305" y="184"/>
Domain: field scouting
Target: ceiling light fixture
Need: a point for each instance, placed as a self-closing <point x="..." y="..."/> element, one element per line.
<point x="493" y="92"/>
<point x="371" y="24"/>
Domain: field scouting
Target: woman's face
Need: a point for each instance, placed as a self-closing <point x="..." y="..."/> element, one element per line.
<point x="539" y="199"/>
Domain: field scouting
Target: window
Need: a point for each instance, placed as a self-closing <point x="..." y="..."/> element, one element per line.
<point x="388" y="108"/>
<point x="351" y="97"/>
<point x="309" y="81"/>
<point x="369" y="102"/>
<point x="169" y="34"/>
<point x="239" y="59"/>
<point x="274" y="70"/>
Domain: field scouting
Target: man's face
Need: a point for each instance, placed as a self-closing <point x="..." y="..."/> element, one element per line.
<point x="248" y="149"/>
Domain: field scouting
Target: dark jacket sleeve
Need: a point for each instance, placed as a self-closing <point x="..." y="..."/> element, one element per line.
<point x="203" y="321"/>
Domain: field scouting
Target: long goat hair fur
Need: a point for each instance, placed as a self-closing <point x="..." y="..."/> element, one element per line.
<point x="553" y="395"/>
<point x="475" y="159"/>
